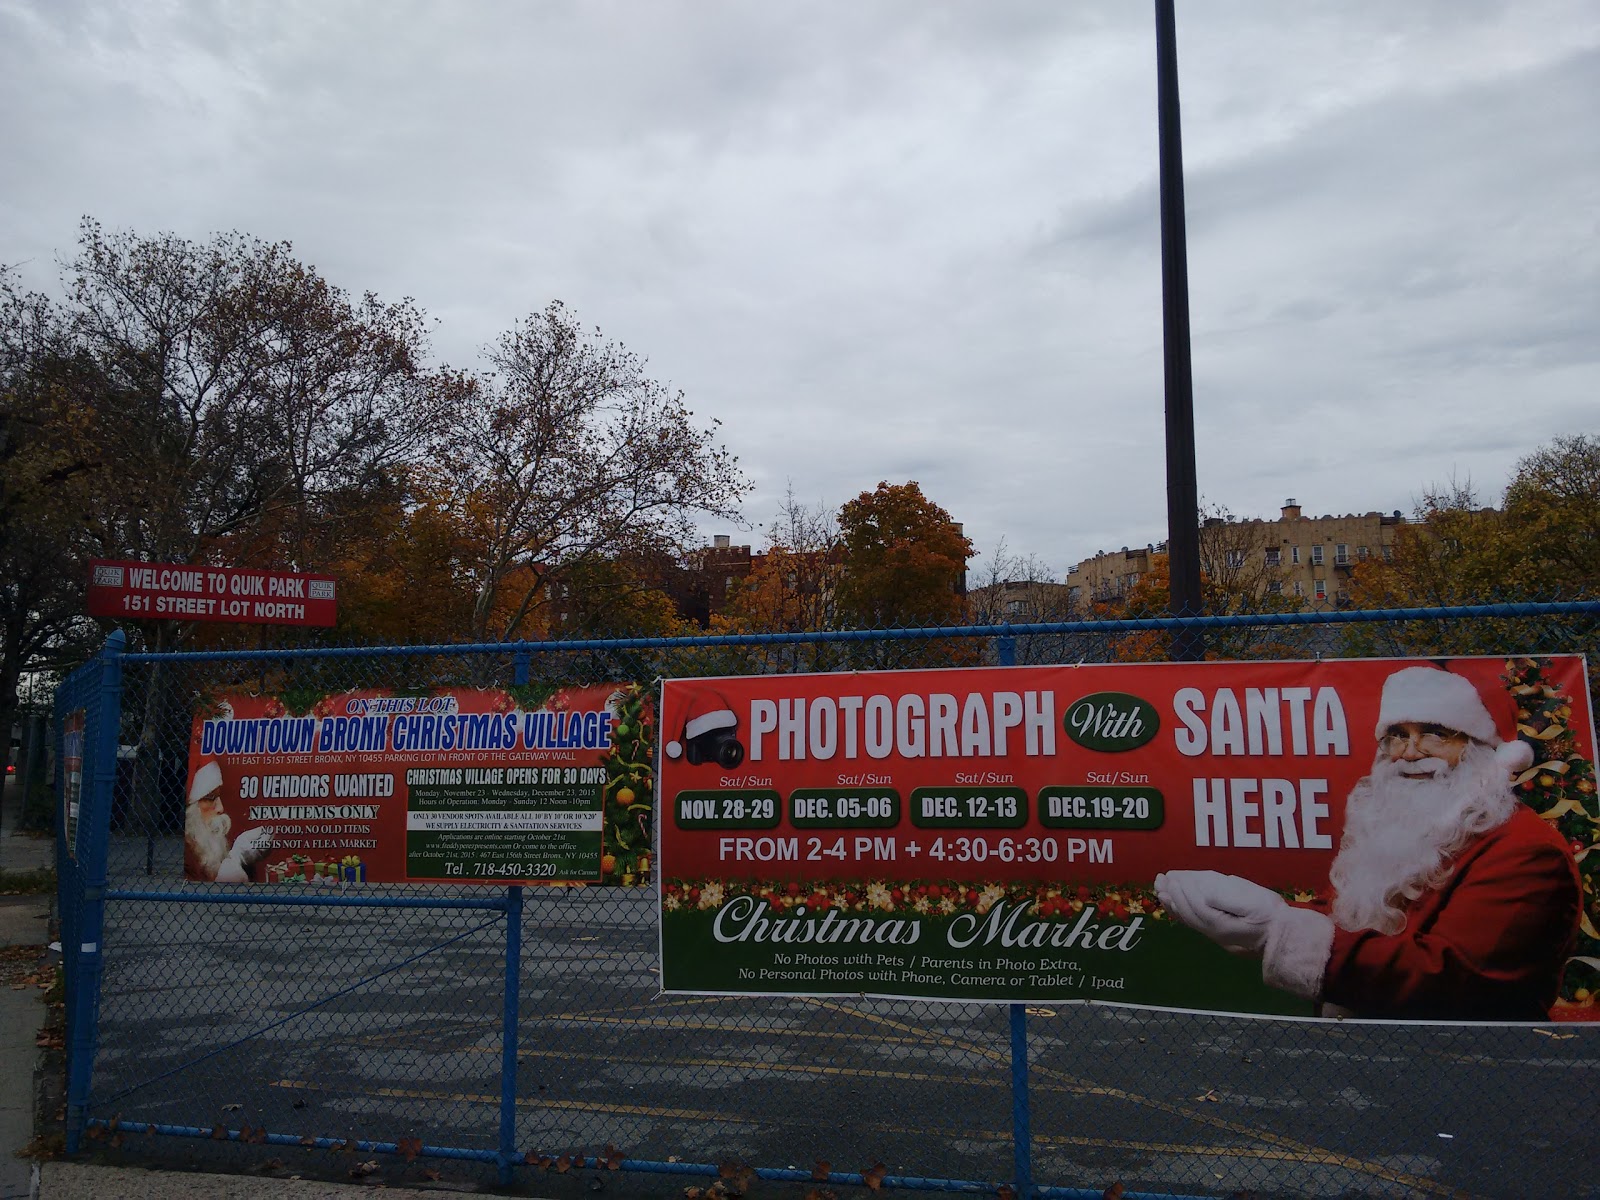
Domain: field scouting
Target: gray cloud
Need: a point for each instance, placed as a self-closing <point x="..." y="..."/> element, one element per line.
<point x="903" y="240"/>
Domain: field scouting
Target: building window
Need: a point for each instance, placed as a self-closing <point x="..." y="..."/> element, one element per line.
<point x="1316" y="556"/>
<point x="1388" y="553"/>
<point x="1275" y="587"/>
<point x="1274" y="557"/>
<point x="1016" y="607"/>
<point x="1362" y="554"/>
<point x="1235" y="559"/>
<point x="1319" y="588"/>
<point x="1299" y="588"/>
<point x="1341" y="554"/>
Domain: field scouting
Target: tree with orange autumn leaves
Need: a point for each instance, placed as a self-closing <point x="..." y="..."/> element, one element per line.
<point x="890" y="558"/>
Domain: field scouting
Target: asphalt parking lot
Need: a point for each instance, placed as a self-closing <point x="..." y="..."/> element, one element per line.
<point x="386" y="1024"/>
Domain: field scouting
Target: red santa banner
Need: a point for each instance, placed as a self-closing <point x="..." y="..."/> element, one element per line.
<point x="1380" y="839"/>
<point x="465" y="786"/>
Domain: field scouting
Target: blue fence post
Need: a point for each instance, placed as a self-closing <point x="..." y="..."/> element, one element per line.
<point x="1021" y="1117"/>
<point x="94" y="833"/>
<point x="508" y="1036"/>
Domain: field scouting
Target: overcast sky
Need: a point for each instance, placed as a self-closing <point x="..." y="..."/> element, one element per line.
<point x="903" y="240"/>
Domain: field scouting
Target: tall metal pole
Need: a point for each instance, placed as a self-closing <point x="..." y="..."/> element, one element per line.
<point x="1183" y="496"/>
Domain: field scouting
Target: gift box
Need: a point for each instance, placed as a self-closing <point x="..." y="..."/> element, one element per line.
<point x="352" y="869"/>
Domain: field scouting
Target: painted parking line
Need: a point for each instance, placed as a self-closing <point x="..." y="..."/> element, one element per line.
<point x="1280" y="1143"/>
<point x="1277" y="1148"/>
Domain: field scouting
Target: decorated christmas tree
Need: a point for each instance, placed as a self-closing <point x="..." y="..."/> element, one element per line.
<point x="1560" y="787"/>
<point x="629" y="788"/>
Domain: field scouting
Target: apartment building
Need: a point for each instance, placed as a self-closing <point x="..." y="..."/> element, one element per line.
<point x="1317" y="554"/>
<point x="1293" y="554"/>
<point x="1110" y="574"/>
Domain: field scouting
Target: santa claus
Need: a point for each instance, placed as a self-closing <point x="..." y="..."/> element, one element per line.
<point x="1452" y="900"/>
<point x="207" y="854"/>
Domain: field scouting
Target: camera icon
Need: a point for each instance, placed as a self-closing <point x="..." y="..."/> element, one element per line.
<point x="710" y="734"/>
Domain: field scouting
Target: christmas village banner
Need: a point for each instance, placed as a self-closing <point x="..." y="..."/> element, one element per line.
<point x="1376" y="838"/>
<point x="471" y="786"/>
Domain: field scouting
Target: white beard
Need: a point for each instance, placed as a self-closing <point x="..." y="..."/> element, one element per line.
<point x="206" y="842"/>
<point x="1401" y="834"/>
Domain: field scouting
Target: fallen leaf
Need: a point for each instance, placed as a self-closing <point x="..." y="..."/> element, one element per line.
<point x="1040" y="1012"/>
<point x="362" y="1170"/>
<point x="409" y="1148"/>
<point x="873" y="1176"/>
<point x="563" y="1164"/>
<point x="272" y="1164"/>
<point x="822" y="1170"/>
<point x="1114" y="1192"/>
<point x="613" y="1158"/>
<point x="219" y="1132"/>
<point x="1006" y="1192"/>
<point x="431" y="1175"/>
<point x="232" y="1107"/>
<point x="308" y="1140"/>
<point x="1210" y="1096"/>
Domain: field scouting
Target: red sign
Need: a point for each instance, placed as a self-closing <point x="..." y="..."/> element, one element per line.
<point x="463" y="785"/>
<point x="1396" y="839"/>
<point x="173" y="591"/>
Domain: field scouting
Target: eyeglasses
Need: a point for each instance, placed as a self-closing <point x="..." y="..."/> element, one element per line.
<point x="1430" y="742"/>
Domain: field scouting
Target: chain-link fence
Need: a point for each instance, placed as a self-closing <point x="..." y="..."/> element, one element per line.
<point x="524" y="1029"/>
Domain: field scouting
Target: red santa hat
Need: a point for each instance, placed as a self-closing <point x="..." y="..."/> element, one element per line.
<point x="707" y="711"/>
<point x="1429" y="696"/>
<point x="207" y="779"/>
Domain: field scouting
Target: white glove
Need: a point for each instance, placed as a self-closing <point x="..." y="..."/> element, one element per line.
<point x="248" y="848"/>
<point x="1233" y="912"/>
<point x="1246" y="918"/>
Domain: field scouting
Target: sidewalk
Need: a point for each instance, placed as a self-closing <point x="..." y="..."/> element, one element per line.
<point x="24" y="930"/>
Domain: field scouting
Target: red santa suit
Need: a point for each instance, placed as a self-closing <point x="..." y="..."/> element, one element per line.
<point x="1491" y="918"/>
<point x="1488" y="945"/>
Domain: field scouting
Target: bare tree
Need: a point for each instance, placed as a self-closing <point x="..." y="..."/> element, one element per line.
<point x="568" y="450"/>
